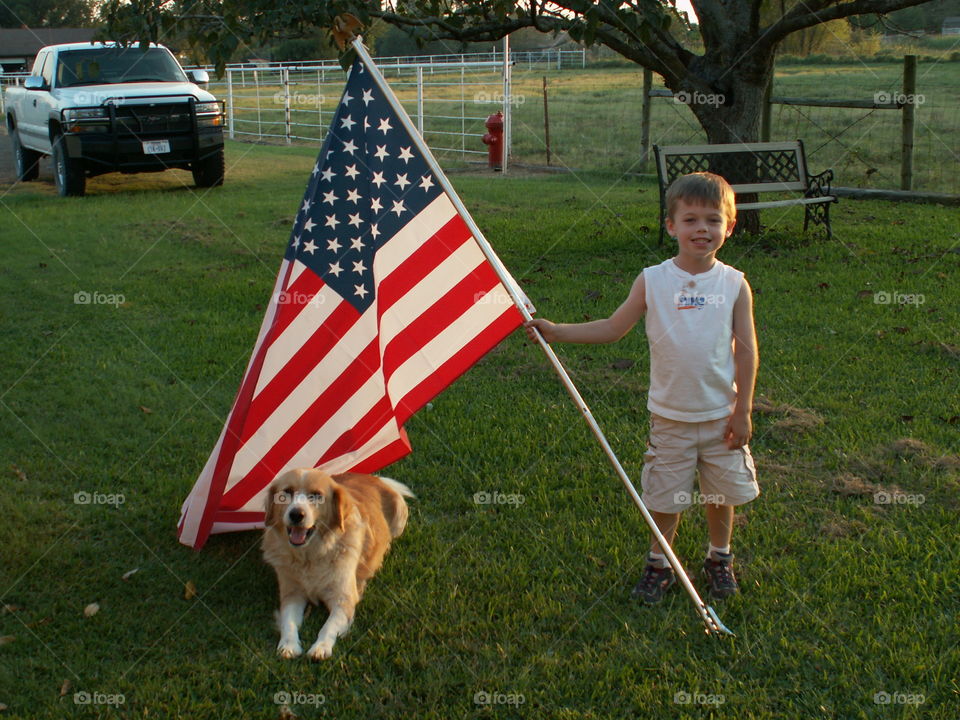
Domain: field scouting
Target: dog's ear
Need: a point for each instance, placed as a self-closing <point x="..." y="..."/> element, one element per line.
<point x="341" y="504"/>
<point x="268" y="518"/>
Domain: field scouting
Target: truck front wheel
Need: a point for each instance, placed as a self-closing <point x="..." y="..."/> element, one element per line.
<point x="209" y="171"/>
<point x="67" y="172"/>
<point x="28" y="161"/>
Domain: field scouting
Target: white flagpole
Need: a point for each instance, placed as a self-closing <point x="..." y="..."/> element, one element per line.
<point x="707" y="614"/>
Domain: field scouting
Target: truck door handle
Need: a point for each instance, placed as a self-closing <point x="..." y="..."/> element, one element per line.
<point x="34" y="102"/>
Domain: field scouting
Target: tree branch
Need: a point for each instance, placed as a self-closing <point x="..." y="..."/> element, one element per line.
<point x="804" y="15"/>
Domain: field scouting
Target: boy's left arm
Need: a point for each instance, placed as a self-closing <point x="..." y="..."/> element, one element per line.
<point x="745" y="361"/>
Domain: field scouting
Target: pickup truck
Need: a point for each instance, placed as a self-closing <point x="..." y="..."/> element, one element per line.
<point x="99" y="108"/>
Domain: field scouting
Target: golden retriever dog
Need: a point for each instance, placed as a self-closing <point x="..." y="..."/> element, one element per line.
<point x="325" y="537"/>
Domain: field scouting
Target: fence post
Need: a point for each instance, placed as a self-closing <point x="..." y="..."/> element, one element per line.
<point x="546" y="118"/>
<point x="766" y="107"/>
<point x="230" y="102"/>
<point x="256" y="84"/>
<point x="645" y="118"/>
<point x="420" y="99"/>
<point x="908" y="118"/>
<point x="285" y="79"/>
<point x="320" y="100"/>
<point x="507" y="102"/>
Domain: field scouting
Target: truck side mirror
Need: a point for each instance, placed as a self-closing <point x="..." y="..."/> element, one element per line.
<point x="35" y="82"/>
<point x="200" y="77"/>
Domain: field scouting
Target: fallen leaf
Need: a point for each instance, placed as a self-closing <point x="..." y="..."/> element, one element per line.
<point x="592" y="295"/>
<point x="145" y="410"/>
<point x="189" y="590"/>
<point x="823" y="285"/>
<point x="19" y="473"/>
<point x="865" y="293"/>
<point x="906" y="418"/>
<point x="903" y="330"/>
<point x="623" y="364"/>
<point x="91" y="609"/>
<point x="6" y="639"/>
<point x="11" y="608"/>
<point x="65" y="688"/>
<point x="128" y="573"/>
<point x="286" y="713"/>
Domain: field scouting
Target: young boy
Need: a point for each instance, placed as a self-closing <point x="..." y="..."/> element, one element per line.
<point x="703" y="366"/>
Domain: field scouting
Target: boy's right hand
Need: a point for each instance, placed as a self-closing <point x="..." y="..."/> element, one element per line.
<point x="546" y="328"/>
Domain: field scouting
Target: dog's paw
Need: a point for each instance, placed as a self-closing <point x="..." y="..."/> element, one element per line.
<point x="289" y="649"/>
<point x="320" y="650"/>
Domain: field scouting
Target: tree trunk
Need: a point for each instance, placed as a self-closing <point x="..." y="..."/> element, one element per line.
<point x="726" y="121"/>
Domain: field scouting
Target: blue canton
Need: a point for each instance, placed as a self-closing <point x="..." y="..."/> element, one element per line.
<point x="369" y="181"/>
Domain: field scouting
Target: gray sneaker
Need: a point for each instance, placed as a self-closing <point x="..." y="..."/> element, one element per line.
<point x="719" y="573"/>
<point x="654" y="583"/>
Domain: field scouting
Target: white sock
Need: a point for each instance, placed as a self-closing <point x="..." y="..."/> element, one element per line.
<point x="725" y="550"/>
<point x="658" y="560"/>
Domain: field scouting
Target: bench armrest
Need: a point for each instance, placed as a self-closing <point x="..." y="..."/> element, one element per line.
<point x="819" y="185"/>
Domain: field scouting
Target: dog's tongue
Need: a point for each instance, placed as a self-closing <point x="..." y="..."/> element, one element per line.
<point x="298" y="535"/>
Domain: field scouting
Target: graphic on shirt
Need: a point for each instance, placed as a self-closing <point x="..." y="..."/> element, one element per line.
<point x="696" y="301"/>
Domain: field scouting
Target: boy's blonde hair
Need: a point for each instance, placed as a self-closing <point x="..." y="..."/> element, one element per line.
<point x="703" y="188"/>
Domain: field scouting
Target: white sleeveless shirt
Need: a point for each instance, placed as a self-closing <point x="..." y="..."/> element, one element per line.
<point x="689" y="325"/>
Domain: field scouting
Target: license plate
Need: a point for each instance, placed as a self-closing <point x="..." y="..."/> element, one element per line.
<point x="156" y="147"/>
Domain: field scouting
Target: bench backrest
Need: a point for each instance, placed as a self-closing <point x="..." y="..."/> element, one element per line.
<point x="748" y="167"/>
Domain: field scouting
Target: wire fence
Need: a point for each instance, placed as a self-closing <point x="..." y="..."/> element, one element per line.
<point x="449" y="102"/>
<point x="595" y="121"/>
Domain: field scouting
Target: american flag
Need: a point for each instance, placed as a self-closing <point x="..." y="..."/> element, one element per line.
<point x="383" y="298"/>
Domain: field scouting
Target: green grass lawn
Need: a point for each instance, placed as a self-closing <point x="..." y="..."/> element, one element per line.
<point x="515" y="609"/>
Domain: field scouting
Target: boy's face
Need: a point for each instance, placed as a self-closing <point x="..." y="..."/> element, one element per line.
<point x="700" y="230"/>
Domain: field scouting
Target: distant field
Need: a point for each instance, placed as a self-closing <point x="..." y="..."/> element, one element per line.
<point x="595" y="118"/>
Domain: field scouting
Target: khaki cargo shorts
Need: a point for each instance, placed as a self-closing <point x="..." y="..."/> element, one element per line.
<point x="677" y="450"/>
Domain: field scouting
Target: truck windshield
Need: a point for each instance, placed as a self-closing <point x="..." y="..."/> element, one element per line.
<point x="106" y="66"/>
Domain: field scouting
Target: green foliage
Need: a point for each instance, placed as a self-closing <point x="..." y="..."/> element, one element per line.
<point x="46" y="13"/>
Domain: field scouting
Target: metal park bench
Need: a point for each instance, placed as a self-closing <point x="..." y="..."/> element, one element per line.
<point x="752" y="168"/>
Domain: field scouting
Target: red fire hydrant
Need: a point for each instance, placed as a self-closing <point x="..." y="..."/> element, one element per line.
<point x="494" y="141"/>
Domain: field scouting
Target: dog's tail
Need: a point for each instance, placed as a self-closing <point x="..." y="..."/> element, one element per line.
<point x="394" y="505"/>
